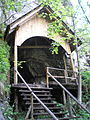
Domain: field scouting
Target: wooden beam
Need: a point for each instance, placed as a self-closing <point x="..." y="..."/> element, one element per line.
<point x="58" y="76"/>
<point x="64" y="97"/>
<point x="34" y="46"/>
<point x="65" y="71"/>
<point x="72" y="64"/>
<point x="28" y="113"/>
<point x="69" y="106"/>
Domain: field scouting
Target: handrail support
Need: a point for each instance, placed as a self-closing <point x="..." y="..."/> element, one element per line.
<point x="82" y="106"/>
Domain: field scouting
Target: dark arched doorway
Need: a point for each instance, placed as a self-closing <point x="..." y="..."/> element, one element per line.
<point x="35" y="55"/>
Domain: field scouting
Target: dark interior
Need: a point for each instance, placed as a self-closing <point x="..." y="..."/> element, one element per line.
<point x="35" y="60"/>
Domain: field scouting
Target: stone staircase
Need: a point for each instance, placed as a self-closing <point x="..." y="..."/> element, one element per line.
<point x="44" y="94"/>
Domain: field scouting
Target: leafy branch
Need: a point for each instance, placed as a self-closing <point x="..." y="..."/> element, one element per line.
<point x="84" y="12"/>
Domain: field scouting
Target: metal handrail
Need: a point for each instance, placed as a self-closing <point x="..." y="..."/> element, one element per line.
<point x="82" y="106"/>
<point x="45" y="107"/>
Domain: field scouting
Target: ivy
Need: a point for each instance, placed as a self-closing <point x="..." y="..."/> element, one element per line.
<point x="57" y="17"/>
<point x="9" y="114"/>
<point x="54" y="47"/>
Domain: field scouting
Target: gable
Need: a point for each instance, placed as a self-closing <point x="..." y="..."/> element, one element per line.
<point x="31" y="25"/>
<point x="36" y="26"/>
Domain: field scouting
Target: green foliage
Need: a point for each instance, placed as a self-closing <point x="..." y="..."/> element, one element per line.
<point x="83" y="115"/>
<point x="12" y="5"/>
<point x="54" y="47"/>
<point x="10" y="114"/>
<point x="86" y="76"/>
<point x="64" y="11"/>
<point x="80" y="113"/>
<point x="86" y="79"/>
<point x="8" y="8"/>
<point x="57" y="17"/>
<point x="86" y="84"/>
<point x="86" y="97"/>
<point x="20" y="63"/>
<point x="4" y="66"/>
<point x="4" y="61"/>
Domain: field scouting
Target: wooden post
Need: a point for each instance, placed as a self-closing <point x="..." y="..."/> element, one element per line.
<point x="15" y="75"/>
<point x="16" y="101"/>
<point x="78" y="56"/>
<point x="15" y="64"/>
<point x="64" y="98"/>
<point x="31" y="106"/>
<point x="65" y="75"/>
<point x="47" y="79"/>
<point x="65" y="71"/>
<point x="27" y="115"/>
<point x="69" y="106"/>
<point x="73" y="68"/>
<point x="72" y="64"/>
<point x="76" y="76"/>
<point x="80" y="88"/>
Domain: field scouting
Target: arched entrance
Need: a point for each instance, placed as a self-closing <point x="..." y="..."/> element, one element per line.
<point x="35" y="56"/>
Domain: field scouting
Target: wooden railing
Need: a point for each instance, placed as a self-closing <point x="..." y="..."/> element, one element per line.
<point x="67" y="92"/>
<point x="73" y="78"/>
<point x="34" y="95"/>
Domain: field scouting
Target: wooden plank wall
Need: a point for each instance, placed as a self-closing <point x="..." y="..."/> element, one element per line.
<point x="36" y="26"/>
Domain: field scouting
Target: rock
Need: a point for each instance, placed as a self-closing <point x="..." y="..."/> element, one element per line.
<point x="36" y="62"/>
<point x="1" y="113"/>
<point x="1" y="90"/>
<point x="1" y="116"/>
<point x="88" y="105"/>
